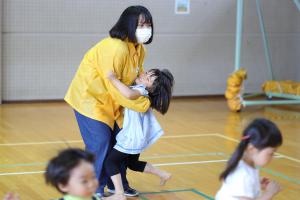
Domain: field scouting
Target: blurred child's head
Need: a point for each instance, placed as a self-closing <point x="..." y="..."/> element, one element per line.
<point x="72" y="172"/>
<point x="259" y="142"/>
<point x="159" y="84"/>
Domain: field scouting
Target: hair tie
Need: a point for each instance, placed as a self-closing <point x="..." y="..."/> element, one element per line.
<point x="245" y="137"/>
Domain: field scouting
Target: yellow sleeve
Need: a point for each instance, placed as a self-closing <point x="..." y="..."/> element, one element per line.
<point x="115" y="61"/>
<point x="141" y="104"/>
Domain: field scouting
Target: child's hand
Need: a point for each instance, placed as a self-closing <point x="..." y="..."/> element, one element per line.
<point x="264" y="182"/>
<point x="273" y="188"/>
<point x="111" y="75"/>
<point x="11" y="196"/>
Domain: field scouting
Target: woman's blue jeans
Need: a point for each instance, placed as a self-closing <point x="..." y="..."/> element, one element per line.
<point x="99" y="139"/>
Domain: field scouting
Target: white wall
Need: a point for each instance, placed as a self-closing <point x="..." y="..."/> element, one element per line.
<point x="297" y="44"/>
<point x="0" y="51"/>
<point x="44" y="41"/>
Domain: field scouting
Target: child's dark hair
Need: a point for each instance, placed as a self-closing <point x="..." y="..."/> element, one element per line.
<point x="59" y="168"/>
<point x="161" y="91"/>
<point x="261" y="133"/>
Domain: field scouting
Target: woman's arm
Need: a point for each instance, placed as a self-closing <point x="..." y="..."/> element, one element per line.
<point x="124" y="89"/>
<point x="114" y="59"/>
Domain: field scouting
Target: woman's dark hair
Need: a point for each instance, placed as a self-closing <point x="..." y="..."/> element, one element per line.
<point x="160" y="93"/>
<point x="128" y="22"/>
<point x="59" y="168"/>
<point x="261" y="133"/>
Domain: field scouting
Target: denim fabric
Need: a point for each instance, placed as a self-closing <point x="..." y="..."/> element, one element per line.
<point x="99" y="139"/>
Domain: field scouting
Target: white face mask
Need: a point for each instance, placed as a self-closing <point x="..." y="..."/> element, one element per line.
<point x="143" y="35"/>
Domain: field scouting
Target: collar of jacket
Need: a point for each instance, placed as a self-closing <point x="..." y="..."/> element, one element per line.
<point x="134" y="50"/>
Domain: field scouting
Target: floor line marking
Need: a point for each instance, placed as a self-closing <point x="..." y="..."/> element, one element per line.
<point x="179" y="190"/>
<point x="159" y="164"/>
<point x="189" y="163"/>
<point x="143" y="157"/>
<point x="21" y="173"/>
<point x="184" y="155"/>
<point x="80" y="141"/>
<point x="41" y="143"/>
<point x="274" y="173"/>
<point x="277" y="174"/>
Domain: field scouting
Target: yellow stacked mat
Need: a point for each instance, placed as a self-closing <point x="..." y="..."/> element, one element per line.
<point x="283" y="87"/>
<point x="234" y="85"/>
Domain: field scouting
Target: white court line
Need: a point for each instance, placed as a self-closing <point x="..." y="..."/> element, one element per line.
<point x="279" y="154"/>
<point x="183" y="155"/>
<point x="21" y="173"/>
<point x="164" y="137"/>
<point x="187" y="136"/>
<point x="80" y="141"/>
<point x="40" y="143"/>
<point x="158" y="164"/>
<point x="194" y="162"/>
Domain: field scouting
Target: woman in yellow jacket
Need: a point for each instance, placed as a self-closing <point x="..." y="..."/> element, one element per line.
<point x="97" y="104"/>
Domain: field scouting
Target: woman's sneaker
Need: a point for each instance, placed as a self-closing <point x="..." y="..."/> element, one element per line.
<point x="129" y="192"/>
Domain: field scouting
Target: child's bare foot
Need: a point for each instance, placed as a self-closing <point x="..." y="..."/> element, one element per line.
<point x="116" y="197"/>
<point x="164" y="177"/>
<point x="11" y="196"/>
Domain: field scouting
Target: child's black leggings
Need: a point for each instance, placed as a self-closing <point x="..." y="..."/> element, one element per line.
<point x="115" y="158"/>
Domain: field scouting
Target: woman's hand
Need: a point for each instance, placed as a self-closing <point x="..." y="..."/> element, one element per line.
<point x="111" y="75"/>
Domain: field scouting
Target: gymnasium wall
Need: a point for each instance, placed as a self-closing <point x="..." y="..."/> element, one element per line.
<point x="297" y="44"/>
<point x="0" y="52"/>
<point x="43" y="43"/>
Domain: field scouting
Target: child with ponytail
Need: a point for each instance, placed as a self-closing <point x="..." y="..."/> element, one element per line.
<point x="241" y="177"/>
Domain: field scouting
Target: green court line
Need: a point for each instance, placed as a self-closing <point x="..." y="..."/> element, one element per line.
<point x="168" y="191"/>
<point x="142" y="197"/>
<point x="280" y="175"/>
<point x="202" y="194"/>
<point x="269" y="171"/>
<point x="174" y="191"/>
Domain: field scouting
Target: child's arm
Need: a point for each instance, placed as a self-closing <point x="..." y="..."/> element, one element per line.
<point x="124" y="89"/>
<point x="272" y="189"/>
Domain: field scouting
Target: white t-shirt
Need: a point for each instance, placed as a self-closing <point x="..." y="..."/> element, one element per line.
<point x="242" y="182"/>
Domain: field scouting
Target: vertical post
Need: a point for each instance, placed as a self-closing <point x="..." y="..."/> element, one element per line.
<point x="297" y="4"/>
<point x="1" y="51"/>
<point x="239" y="32"/>
<point x="265" y="41"/>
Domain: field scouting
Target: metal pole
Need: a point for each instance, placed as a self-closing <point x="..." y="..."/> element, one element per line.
<point x="265" y="41"/>
<point x="239" y="32"/>
<point x="272" y="102"/>
<point x="297" y="4"/>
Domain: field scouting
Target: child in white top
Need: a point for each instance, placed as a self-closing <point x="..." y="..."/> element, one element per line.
<point x="241" y="177"/>
<point x="140" y="130"/>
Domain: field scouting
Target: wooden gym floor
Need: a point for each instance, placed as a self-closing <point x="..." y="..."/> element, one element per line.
<point x="200" y="135"/>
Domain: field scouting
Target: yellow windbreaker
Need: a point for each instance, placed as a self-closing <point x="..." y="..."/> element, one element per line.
<point x="92" y="94"/>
